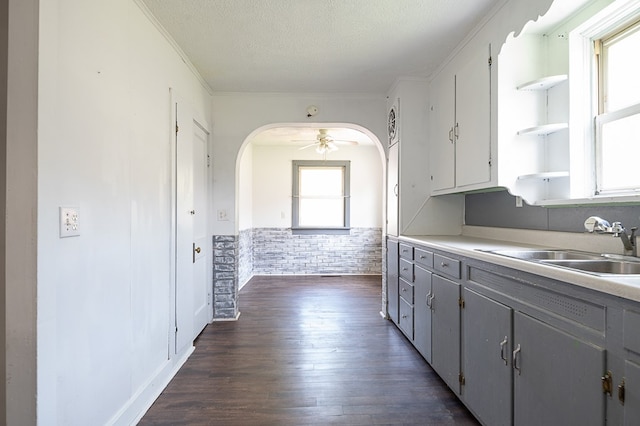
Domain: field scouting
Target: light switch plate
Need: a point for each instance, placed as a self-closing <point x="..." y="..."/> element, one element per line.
<point x="69" y="222"/>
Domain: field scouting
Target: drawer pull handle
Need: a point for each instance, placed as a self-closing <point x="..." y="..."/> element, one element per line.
<point x="421" y="256"/>
<point x="444" y="265"/>
<point x="404" y="317"/>
<point x="404" y="290"/>
<point x="405" y="269"/>
<point x="503" y="345"/>
<point x="515" y="358"/>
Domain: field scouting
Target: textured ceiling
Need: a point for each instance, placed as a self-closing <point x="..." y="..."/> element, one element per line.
<point x="316" y="46"/>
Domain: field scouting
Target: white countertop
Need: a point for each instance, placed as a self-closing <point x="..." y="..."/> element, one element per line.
<point x="627" y="287"/>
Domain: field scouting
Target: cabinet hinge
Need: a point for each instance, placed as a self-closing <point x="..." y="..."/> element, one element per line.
<point x="607" y="382"/>
<point x="461" y="379"/>
<point x="461" y="302"/>
<point x="489" y="162"/>
<point x="177" y="128"/>
<point x="208" y="160"/>
<point x="490" y="61"/>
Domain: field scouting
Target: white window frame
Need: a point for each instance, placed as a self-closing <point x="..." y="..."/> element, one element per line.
<point x="295" y="215"/>
<point x="605" y="115"/>
<point x="584" y="106"/>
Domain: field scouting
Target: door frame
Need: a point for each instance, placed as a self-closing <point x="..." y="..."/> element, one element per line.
<point x="199" y="120"/>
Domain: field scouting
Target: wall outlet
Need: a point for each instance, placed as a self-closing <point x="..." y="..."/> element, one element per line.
<point x="518" y="201"/>
<point x="69" y="222"/>
<point x="222" y="215"/>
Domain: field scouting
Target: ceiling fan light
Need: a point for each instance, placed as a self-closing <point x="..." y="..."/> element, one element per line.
<point x="321" y="149"/>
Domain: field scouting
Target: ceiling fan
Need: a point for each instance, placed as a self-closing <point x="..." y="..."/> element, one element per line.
<point x="325" y="143"/>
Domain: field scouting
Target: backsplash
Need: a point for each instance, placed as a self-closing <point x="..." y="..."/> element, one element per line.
<point x="498" y="209"/>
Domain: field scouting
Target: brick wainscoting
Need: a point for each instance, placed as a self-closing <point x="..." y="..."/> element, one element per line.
<point x="279" y="251"/>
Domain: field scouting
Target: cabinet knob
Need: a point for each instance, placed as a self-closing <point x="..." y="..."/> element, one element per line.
<point x="444" y="265"/>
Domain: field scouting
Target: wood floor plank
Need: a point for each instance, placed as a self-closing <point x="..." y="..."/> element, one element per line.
<point x="307" y="351"/>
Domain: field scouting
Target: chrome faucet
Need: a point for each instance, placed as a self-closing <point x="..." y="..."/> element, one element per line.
<point x="600" y="226"/>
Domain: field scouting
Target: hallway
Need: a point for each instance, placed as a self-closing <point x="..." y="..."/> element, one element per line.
<point x="307" y="351"/>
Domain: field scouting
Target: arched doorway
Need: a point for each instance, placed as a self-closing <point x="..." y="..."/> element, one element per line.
<point x="267" y="245"/>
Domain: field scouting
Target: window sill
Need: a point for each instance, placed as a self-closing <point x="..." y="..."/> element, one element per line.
<point x="320" y="231"/>
<point x="595" y="200"/>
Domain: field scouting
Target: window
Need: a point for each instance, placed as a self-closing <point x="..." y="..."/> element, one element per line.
<point x="617" y="123"/>
<point x="321" y="197"/>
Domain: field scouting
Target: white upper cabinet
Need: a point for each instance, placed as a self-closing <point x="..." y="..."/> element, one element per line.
<point x="441" y="137"/>
<point x="460" y="121"/>
<point x="473" y="115"/>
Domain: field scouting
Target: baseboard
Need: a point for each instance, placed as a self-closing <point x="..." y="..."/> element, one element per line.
<point x="140" y="402"/>
<point x="227" y="319"/>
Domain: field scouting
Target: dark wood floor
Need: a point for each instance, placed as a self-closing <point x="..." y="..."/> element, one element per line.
<point x="307" y="351"/>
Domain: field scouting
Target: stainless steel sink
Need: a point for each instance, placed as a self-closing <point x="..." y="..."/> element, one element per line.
<point x="600" y="267"/>
<point x="547" y="254"/>
<point x="592" y="263"/>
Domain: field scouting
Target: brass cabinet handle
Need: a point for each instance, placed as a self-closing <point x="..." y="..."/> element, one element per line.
<point x="197" y="249"/>
<point x="621" y="392"/>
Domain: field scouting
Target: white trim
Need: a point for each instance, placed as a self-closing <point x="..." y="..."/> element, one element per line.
<point x="143" y="7"/>
<point x="226" y="319"/>
<point x="140" y="402"/>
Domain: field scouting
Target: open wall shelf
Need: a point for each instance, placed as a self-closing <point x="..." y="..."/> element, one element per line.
<point x="543" y="83"/>
<point x="544" y="129"/>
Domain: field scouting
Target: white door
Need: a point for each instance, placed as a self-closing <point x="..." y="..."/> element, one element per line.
<point x="192" y="247"/>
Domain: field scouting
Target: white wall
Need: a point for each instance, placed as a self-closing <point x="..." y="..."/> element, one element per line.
<point x="237" y="116"/>
<point x="245" y="193"/>
<point x="272" y="181"/>
<point x="104" y="304"/>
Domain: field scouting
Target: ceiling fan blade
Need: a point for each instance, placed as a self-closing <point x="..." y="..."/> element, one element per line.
<point x="343" y="142"/>
<point x="307" y="146"/>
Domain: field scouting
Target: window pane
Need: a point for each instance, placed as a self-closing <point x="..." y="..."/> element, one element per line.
<point x="317" y="212"/>
<point x="619" y="145"/>
<point x="623" y="69"/>
<point x="321" y="196"/>
<point x="321" y="182"/>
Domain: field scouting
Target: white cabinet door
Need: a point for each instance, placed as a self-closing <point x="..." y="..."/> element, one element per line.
<point x="442" y="119"/>
<point x="473" y="120"/>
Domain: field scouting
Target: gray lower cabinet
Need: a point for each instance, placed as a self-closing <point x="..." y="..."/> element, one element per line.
<point x="556" y="376"/>
<point x="628" y="393"/>
<point x="487" y="367"/>
<point x="517" y="351"/>
<point x="392" y="280"/>
<point x="406" y="306"/>
<point x="422" y="312"/>
<point x="445" y="336"/>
